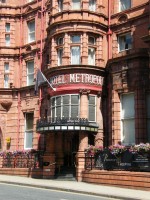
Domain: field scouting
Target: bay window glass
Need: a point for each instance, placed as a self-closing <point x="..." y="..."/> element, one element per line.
<point x="28" y="143"/>
<point x="31" y="31"/>
<point x="60" y="54"/>
<point x="66" y="106"/>
<point x="125" y="4"/>
<point x="6" y="75"/>
<point x="76" y="4"/>
<point x="75" y="55"/>
<point x="30" y="73"/>
<point x="7" y="27"/>
<point x="92" y="108"/>
<point x="7" y="39"/>
<point x="91" y="56"/>
<point x="60" y="5"/>
<point x="125" y="41"/>
<point x="128" y="118"/>
<point x="92" y="5"/>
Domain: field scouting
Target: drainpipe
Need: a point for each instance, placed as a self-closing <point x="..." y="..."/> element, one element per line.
<point x="41" y="49"/>
<point x="20" y="76"/>
<point x="109" y="33"/>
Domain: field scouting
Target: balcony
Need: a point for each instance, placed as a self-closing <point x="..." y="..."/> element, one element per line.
<point x="65" y="124"/>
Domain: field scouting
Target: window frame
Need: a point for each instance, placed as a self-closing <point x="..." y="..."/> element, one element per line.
<point x="129" y="45"/>
<point x="74" y="6"/>
<point x="6" y="75"/>
<point x="28" y="131"/>
<point x="31" y="32"/>
<point x="61" y="105"/>
<point x="7" y="27"/>
<point x="127" y="119"/>
<point x="7" y="42"/>
<point x="92" y="7"/>
<point x="29" y="74"/>
<point x="120" y="5"/>
<point x="60" y="5"/>
<point x="93" y="105"/>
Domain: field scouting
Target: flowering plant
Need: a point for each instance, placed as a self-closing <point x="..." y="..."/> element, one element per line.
<point x="140" y="148"/>
<point x="117" y="149"/>
<point x="92" y="150"/>
<point x="16" y="152"/>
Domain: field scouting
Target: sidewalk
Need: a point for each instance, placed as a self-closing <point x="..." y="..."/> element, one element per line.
<point x="78" y="187"/>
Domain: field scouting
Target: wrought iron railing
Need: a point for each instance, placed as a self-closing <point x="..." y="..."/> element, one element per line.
<point x="64" y="121"/>
<point x="126" y="161"/>
<point x="23" y="160"/>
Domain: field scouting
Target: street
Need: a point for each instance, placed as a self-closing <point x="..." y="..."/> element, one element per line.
<point x="14" y="192"/>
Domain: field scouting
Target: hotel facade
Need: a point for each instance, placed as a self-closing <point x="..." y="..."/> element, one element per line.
<point x="94" y="58"/>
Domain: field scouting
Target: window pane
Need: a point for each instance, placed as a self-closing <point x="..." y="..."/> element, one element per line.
<point x="92" y="5"/>
<point x="91" y="40"/>
<point x="60" y="54"/>
<point x="58" y="100"/>
<point x="6" y="67"/>
<point x="125" y="41"/>
<point x="7" y="40"/>
<point x="128" y="106"/>
<point x="6" y="81"/>
<point x="53" y="113"/>
<point x="92" y="100"/>
<point x="53" y="101"/>
<point x="31" y="31"/>
<point x="58" y="111"/>
<point x="129" y="131"/>
<point x="76" y="4"/>
<point x="66" y="99"/>
<point x="60" y="5"/>
<point x="74" y="99"/>
<point x="7" y="27"/>
<point x="29" y="121"/>
<point x="91" y="56"/>
<point x="28" y="138"/>
<point x="74" y="111"/>
<point x="65" y="111"/>
<point x="60" y="41"/>
<point x="125" y="4"/>
<point x="75" y="39"/>
<point x="75" y="55"/>
<point x="91" y="113"/>
<point x="30" y="73"/>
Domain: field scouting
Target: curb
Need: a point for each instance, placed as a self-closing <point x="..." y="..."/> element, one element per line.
<point x="69" y="190"/>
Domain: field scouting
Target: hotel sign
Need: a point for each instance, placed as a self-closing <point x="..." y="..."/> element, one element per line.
<point x="76" y="78"/>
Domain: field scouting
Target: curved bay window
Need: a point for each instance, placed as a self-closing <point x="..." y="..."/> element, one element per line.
<point x="66" y="106"/>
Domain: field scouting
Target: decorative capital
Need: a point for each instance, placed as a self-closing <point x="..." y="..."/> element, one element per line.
<point x="84" y="91"/>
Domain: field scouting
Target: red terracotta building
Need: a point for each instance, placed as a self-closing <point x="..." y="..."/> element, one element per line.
<point x="95" y="57"/>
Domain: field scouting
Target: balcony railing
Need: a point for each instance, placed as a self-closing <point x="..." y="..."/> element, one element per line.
<point x="55" y="124"/>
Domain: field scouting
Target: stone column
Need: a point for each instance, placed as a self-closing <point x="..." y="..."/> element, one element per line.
<point x="66" y="50"/>
<point x="84" y="55"/>
<point x="84" y="103"/>
<point x="83" y="136"/>
<point x="49" y="157"/>
<point x="53" y="53"/>
<point x="80" y="156"/>
<point x="99" y="135"/>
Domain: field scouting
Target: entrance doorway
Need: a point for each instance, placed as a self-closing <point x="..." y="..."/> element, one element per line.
<point x="71" y="145"/>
